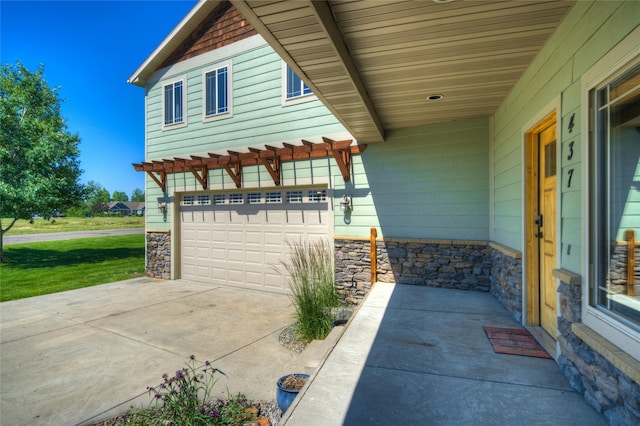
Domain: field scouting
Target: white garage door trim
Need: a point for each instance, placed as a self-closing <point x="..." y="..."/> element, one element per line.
<point x="239" y="237"/>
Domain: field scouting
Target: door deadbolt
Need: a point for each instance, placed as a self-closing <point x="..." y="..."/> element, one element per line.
<point x="538" y="220"/>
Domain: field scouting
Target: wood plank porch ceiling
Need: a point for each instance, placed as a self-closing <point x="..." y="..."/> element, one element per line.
<point x="374" y="63"/>
<point x="271" y="157"/>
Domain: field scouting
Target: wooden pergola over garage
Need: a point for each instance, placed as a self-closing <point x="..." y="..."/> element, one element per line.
<point x="271" y="157"/>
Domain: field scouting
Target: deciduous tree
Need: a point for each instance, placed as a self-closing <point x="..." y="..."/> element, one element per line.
<point x="137" y="195"/>
<point x="119" y="196"/>
<point x="39" y="165"/>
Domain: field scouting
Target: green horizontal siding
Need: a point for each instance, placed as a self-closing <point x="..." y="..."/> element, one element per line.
<point x="588" y="32"/>
<point x="258" y="114"/>
<point x="425" y="182"/>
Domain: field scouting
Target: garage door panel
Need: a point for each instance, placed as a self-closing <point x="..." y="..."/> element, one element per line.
<point x="245" y="244"/>
<point x="274" y="217"/>
<point x="203" y="252"/>
<point x="314" y="218"/>
<point x="254" y="254"/>
<point x="254" y="279"/>
<point x="202" y="270"/>
<point x="254" y="236"/>
<point x="236" y="218"/>
<point x="257" y="218"/>
<point x="218" y="253"/>
<point x="294" y="217"/>
<point x="218" y="235"/>
<point x="235" y="255"/>
<point x="221" y="217"/>
<point x="235" y="236"/>
<point x="236" y="276"/>
<point x="187" y="217"/>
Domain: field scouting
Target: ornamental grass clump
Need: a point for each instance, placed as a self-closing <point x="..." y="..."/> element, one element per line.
<point x="312" y="283"/>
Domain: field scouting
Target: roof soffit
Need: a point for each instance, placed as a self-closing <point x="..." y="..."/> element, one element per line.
<point x="374" y="63"/>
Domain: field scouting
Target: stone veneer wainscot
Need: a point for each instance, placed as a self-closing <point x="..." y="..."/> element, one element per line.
<point x="158" y="263"/>
<point x="463" y="265"/>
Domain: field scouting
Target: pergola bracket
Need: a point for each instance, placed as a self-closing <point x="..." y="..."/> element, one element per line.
<point x="202" y="176"/>
<point x="161" y="181"/>
<point x="236" y="173"/>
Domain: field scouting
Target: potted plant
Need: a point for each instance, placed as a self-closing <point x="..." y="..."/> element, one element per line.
<point x="288" y="388"/>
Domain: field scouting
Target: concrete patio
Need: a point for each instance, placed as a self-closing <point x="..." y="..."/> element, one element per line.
<point x="419" y="356"/>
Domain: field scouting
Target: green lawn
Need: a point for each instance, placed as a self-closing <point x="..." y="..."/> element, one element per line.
<point x="49" y="267"/>
<point x="67" y="224"/>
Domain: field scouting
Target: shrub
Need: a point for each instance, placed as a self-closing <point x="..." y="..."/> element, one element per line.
<point x="185" y="399"/>
<point x="312" y="283"/>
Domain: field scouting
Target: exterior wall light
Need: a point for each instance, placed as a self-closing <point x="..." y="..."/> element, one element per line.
<point x="345" y="203"/>
<point x="162" y="207"/>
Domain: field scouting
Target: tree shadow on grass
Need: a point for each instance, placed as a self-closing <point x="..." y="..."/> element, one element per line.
<point x="31" y="258"/>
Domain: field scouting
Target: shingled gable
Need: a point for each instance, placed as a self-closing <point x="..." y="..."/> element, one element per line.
<point x="223" y="26"/>
<point x="208" y="26"/>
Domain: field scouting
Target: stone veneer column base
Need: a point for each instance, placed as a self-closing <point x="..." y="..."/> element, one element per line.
<point x="506" y="278"/>
<point x="586" y="360"/>
<point x="158" y="262"/>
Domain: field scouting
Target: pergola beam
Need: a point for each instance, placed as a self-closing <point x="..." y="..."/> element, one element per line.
<point x="270" y="157"/>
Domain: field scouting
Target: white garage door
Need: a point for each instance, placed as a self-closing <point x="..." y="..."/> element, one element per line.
<point x="237" y="238"/>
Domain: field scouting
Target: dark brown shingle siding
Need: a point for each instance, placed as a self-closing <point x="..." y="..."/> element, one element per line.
<point x="223" y="26"/>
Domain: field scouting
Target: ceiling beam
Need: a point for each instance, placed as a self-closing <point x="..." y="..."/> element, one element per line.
<point x="324" y="15"/>
<point x="322" y="12"/>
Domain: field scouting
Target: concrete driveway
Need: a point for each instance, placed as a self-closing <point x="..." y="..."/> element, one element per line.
<point x="87" y="354"/>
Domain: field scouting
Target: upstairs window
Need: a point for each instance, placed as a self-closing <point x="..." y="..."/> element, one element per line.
<point x="294" y="87"/>
<point x="217" y="92"/>
<point x="174" y="103"/>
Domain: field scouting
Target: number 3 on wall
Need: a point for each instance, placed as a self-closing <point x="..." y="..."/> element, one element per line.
<point x="570" y="156"/>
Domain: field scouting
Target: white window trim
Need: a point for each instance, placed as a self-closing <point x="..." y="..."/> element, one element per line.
<point x="608" y="327"/>
<point x="229" y="113"/>
<point x="298" y="99"/>
<point x="183" y="123"/>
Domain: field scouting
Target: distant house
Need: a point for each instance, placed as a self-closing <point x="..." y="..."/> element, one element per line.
<point x="126" y="208"/>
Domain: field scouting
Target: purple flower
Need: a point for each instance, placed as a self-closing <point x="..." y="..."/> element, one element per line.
<point x="207" y="363"/>
<point x="192" y="357"/>
<point x="214" y="414"/>
<point x="157" y="396"/>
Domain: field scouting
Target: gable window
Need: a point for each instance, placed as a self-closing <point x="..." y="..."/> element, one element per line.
<point x="614" y="196"/>
<point x="294" y="89"/>
<point x="174" y="101"/>
<point x="217" y="92"/>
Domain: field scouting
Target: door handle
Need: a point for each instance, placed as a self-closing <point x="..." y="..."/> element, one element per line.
<point x="538" y="235"/>
<point x="538" y="220"/>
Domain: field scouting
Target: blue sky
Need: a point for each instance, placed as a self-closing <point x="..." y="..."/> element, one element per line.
<point x="89" y="49"/>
